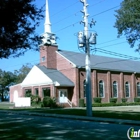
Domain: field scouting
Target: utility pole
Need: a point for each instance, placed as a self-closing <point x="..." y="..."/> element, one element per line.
<point x="84" y="41"/>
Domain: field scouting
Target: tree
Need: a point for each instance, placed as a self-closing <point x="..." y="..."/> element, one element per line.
<point x="22" y="72"/>
<point x="19" y="19"/>
<point x="6" y="80"/>
<point x="128" y="22"/>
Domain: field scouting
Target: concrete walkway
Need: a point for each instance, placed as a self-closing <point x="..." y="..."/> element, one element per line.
<point x="85" y="118"/>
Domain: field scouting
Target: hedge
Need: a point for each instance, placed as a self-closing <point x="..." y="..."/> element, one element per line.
<point x="97" y="99"/>
<point x="112" y="104"/>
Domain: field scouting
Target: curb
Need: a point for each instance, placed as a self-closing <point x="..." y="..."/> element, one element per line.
<point x="82" y="118"/>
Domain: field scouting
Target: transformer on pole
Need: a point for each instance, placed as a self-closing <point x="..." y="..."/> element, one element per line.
<point x="84" y="41"/>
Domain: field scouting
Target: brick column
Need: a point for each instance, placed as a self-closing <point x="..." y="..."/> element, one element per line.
<point x="32" y="91"/>
<point x="122" y="95"/>
<point x="95" y="87"/>
<point x="109" y="91"/>
<point x="40" y="91"/>
<point x="133" y="90"/>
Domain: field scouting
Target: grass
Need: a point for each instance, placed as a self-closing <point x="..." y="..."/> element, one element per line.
<point x="104" y="114"/>
<point x="130" y="115"/>
<point x="6" y="105"/>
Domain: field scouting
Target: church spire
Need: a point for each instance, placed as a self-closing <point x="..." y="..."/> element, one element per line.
<point x="47" y="19"/>
<point x="48" y="38"/>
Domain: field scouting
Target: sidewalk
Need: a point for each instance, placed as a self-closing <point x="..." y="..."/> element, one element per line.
<point x="74" y="117"/>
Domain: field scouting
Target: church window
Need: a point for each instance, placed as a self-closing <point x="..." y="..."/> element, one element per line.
<point x="101" y="89"/>
<point x="115" y="89"/>
<point x="127" y="89"/>
<point x="43" y="58"/>
<point x="138" y="89"/>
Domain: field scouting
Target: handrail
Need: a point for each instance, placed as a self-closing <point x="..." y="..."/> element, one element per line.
<point x="69" y="102"/>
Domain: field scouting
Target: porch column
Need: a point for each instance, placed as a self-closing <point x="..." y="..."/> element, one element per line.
<point x="40" y="92"/>
<point x="122" y="85"/>
<point x="133" y="91"/>
<point x="95" y="87"/>
<point x="109" y="91"/>
<point x="32" y="90"/>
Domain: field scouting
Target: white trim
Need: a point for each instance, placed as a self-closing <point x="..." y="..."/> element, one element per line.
<point x="56" y="83"/>
<point x="33" y="85"/>
<point x="74" y="65"/>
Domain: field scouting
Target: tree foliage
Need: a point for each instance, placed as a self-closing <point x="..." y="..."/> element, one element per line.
<point x="128" y="22"/>
<point x="19" y="19"/>
<point x="6" y="80"/>
<point x="22" y="72"/>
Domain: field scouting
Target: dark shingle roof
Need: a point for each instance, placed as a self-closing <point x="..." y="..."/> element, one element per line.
<point x="56" y="76"/>
<point x="102" y="62"/>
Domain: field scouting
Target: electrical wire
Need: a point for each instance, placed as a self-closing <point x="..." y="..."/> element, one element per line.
<point x="90" y="17"/>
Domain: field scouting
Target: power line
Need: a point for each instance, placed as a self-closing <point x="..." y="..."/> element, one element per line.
<point x="104" y="11"/>
<point x="116" y="54"/>
<point x="113" y="44"/>
<point x="76" y="13"/>
<point x="64" y="9"/>
<point x="90" y="17"/>
<point x="109" y="41"/>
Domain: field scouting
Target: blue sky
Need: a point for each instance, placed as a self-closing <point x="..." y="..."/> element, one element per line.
<point x="65" y="18"/>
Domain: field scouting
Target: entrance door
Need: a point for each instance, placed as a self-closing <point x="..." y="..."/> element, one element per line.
<point x="63" y="95"/>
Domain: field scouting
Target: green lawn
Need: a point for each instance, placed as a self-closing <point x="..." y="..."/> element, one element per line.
<point x="6" y="105"/>
<point x="81" y="112"/>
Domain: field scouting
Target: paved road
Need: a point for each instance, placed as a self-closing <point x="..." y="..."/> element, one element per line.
<point x="24" y="127"/>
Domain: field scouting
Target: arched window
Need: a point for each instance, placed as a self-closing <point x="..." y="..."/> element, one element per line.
<point x="138" y="89"/>
<point x="101" y="89"/>
<point x="127" y="89"/>
<point x="115" y="89"/>
<point x="84" y="88"/>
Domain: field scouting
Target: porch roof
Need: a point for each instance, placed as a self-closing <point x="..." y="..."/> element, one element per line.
<point x="56" y="76"/>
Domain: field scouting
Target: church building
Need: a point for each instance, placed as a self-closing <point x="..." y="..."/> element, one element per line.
<point x="61" y="74"/>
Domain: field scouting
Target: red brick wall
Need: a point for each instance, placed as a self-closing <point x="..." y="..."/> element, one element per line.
<point x="13" y="89"/>
<point x="49" y="52"/>
<point x="70" y="72"/>
<point x="108" y="78"/>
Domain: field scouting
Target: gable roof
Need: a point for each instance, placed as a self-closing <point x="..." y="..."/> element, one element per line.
<point x="56" y="76"/>
<point x="102" y="62"/>
<point x="36" y="77"/>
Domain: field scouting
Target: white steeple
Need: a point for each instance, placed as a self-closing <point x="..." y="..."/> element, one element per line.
<point x="47" y="19"/>
<point x="48" y="37"/>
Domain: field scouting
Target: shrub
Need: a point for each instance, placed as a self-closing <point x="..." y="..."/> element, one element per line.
<point x="112" y="104"/>
<point x="124" y="100"/>
<point x="97" y="99"/>
<point x="34" y="98"/>
<point x="81" y="103"/>
<point x="113" y="100"/>
<point x="49" y="102"/>
<point x="136" y="100"/>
